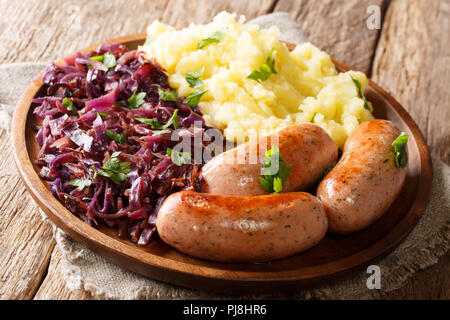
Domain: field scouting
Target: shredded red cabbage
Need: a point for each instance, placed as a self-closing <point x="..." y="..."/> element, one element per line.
<point x="85" y="102"/>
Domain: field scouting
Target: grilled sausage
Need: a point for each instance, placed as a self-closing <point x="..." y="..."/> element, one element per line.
<point x="366" y="180"/>
<point x="241" y="229"/>
<point x="307" y="147"/>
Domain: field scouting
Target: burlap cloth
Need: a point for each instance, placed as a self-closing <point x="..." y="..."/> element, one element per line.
<point x="85" y="270"/>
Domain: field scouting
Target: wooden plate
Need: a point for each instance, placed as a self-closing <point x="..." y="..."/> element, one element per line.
<point x="333" y="256"/>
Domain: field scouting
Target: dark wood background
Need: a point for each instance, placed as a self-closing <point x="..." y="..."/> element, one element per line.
<point x="409" y="57"/>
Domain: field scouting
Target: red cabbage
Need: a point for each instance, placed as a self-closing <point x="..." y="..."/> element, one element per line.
<point x="77" y="143"/>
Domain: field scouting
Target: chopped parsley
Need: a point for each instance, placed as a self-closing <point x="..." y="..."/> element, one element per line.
<point x="193" y="99"/>
<point x="361" y="94"/>
<point x="136" y="100"/>
<point x="114" y="169"/>
<point x="102" y="114"/>
<point x="167" y="94"/>
<point x="68" y="104"/>
<point x="265" y="71"/>
<point x="152" y="122"/>
<point x="215" y="37"/>
<point x="178" y="157"/>
<point x="270" y="181"/>
<point x="193" y="78"/>
<point x="158" y="126"/>
<point x="80" y="183"/>
<point x="329" y="168"/>
<point x="173" y="120"/>
<point x="107" y="59"/>
<point x="157" y="133"/>
<point x="117" y="137"/>
<point x="399" y="144"/>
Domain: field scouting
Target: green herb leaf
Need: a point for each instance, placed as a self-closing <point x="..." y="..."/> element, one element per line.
<point x="277" y="185"/>
<point x="329" y="168"/>
<point x="136" y="100"/>
<point x="215" y="37"/>
<point x="401" y="157"/>
<point x="193" y="99"/>
<point x="178" y="157"/>
<point x="361" y="94"/>
<point x="119" y="138"/>
<point x="114" y="169"/>
<point x="80" y="183"/>
<point x="109" y="60"/>
<point x="167" y="94"/>
<point x="273" y="182"/>
<point x="314" y="115"/>
<point x="152" y="122"/>
<point x="103" y="114"/>
<point x="173" y="120"/>
<point x="68" y="104"/>
<point x="160" y="132"/>
<point x="265" y="71"/>
<point x="193" y="78"/>
<point x="97" y="58"/>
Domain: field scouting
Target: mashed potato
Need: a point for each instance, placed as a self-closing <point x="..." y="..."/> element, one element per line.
<point x="306" y="87"/>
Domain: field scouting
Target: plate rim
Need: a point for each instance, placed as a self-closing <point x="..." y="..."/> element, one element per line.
<point x="164" y="269"/>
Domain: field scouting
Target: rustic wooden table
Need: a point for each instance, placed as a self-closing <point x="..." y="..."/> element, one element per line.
<point x="409" y="56"/>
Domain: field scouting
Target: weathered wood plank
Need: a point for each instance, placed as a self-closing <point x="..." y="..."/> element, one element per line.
<point x="412" y="61"/>
<point x="181" y="13"/>
<point x="54" y="286"/>
<point x="26" y="241"/>
<point x="338" y="27"/>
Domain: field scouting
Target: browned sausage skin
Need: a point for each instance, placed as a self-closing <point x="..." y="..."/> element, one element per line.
<point x="307" y="147"/>
<point x="366" y="180"/>
<point x="241" y="229"/>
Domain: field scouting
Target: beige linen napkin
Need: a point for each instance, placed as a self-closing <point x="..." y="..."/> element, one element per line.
<point x="85" y="270"/>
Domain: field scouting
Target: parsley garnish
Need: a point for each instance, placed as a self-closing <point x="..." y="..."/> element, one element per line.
<point x="107" y="59"/>
<point x="361" y="93"/>
<point x="136" y="100"/>
<point x="265" y="71"/>
<point x="158" y="126"/>
<point x="178" y="157"/>
<point x="273" y="182"/>
<point x="215" y="37"/>
<point x="193" y="78"/>
<point x="173" y="120"/>
<point x="68" y="104"/>
<point x="193" y="99"/>
<point x="157" y="133"/>
<point x="102" y="114"/>
<point x="167" y="94"/>
<point x="401" y="157"/>
<point x="329" y="168"/>
<point x="80" y="183"/>
<point x="152" y="122"/>
<point x="119" y="138"/>
<point x="114" y="169"/>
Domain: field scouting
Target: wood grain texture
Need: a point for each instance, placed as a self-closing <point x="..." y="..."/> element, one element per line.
<point x="26" y="242"/>
<point x="54" y="285"/>
<point x="413" y="62"/>
<point x="338" y="27"/>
